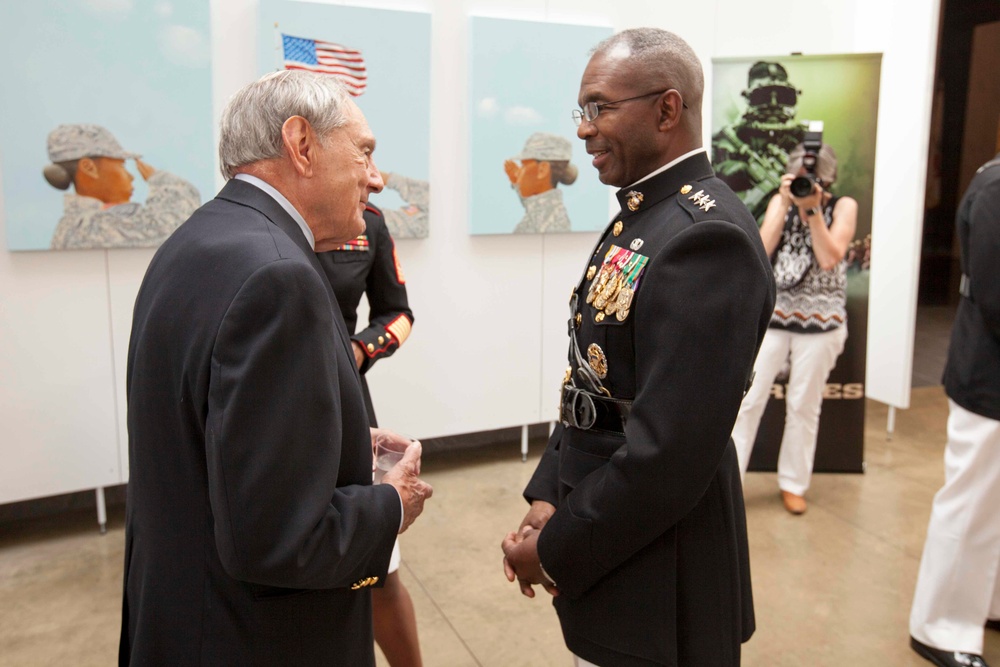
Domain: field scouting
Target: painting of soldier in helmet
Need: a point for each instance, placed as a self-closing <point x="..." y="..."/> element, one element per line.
<point x="526" y="162"/>
<point x="99" y="212"/>
<point x="761" y="110"/>
<point x="107" y="133"/>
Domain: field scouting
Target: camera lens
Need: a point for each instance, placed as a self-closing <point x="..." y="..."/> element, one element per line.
<point x="801" y="186"/>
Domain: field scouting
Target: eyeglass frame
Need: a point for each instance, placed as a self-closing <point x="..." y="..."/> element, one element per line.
<point x="580" y="115"/>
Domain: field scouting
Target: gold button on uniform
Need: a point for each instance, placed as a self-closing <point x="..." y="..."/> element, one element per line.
<point x="364" y="583"/>
<point x="591" y="272"/>
<point x="388" y="335"/>
<point x="381" y="340"/>
<point x="599" y="317"/>
<point x="371" y="348"/>
<point x="686" y="189"/>
<point x="578" y="319"/>
<point x="617" y="230"/>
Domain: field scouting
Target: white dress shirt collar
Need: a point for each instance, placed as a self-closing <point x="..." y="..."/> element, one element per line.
<point x="284" y="203"/>
<point x="665" y="167"/>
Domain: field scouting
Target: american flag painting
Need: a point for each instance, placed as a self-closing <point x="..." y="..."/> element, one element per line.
<point x="315" y="55"/>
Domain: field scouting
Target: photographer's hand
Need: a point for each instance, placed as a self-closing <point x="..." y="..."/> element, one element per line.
<point x="813" y="200"/>
<point x="785" y="190"/>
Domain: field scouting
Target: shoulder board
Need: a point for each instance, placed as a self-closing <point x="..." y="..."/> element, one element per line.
<point x="698" y="202"/>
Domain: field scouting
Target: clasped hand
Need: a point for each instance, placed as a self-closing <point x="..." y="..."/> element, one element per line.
<point x="520" y="551"/>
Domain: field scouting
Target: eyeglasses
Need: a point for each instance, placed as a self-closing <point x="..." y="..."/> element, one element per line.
<point x="591" y="110"/>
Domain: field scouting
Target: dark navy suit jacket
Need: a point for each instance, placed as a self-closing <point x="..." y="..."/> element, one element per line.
<point x="250" y="510"/>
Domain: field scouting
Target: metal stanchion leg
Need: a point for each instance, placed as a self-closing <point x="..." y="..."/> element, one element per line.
<point x="891" y="425"/>
<point x="102" y="511"/>
<point x="552" y="427"/>
<point x="524" y="443"/>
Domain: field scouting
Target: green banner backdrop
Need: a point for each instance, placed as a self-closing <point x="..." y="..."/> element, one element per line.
<point x="760" y="109"/>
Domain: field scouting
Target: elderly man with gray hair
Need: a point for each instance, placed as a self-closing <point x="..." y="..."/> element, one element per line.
<point x="253" y="532"/>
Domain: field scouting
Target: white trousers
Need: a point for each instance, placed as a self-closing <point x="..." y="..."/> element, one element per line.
<point x="813" y="356"/>
<point x="958" y="587"/>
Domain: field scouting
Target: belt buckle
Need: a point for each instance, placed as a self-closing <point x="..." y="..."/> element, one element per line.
<point x="578" y="409"/>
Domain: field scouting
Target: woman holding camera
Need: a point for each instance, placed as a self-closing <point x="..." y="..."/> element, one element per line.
<point x="806" y="231"/>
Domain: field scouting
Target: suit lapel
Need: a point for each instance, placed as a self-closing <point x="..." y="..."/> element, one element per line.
<point x="246" y="194"/>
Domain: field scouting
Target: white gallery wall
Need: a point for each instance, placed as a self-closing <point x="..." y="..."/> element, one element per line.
<point x="488" y="347"/>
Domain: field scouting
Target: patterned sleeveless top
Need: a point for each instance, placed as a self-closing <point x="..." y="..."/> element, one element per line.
<point x="818" y="301"/>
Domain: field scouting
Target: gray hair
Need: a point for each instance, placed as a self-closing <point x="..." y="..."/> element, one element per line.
<point x="250" y="129"/>
<point x="826" y="163"/>
<point x="660" y="57"/>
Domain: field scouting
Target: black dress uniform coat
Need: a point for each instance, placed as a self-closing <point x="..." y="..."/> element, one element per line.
<point x="368" y="265"/>
<point x="648" y="545"/>
<point x="252" y="529"/>
<point x="972" y="374"/>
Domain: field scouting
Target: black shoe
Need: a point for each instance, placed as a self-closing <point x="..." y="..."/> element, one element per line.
<point x="993" y="624"/>
<point x="947" y="658"/>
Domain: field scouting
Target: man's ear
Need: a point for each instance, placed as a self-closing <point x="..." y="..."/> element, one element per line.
<point x="300" y="143"/>
<point x="87" y="166"/>
<point x="669" y="106"/>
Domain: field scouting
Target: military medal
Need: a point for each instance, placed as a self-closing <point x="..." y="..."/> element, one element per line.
<point x="591" y="272"/>
<point x="623" y="302"/>
<point x="597" y="360"/>
<point x="636" y="244"/>
<point x="612" y="289"/>
<point x="634" y="199"/>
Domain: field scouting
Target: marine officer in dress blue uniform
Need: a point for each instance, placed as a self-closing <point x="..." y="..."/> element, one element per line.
<point x="637" y="522"/>
<point x="958" y="589"/>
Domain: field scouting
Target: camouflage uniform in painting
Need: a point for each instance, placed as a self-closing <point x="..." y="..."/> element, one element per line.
<point x="410" y="222"/>
<point x="750" y="155"/>
<point x="87" y="224"/>
<point x="543" y="213"/>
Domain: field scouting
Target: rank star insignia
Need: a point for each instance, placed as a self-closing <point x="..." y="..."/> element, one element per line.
<point x="634" y="199"/>
<point x="702" y="200"/>
<point x="636" y="244"/>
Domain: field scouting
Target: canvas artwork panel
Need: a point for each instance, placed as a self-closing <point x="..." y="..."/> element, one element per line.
<point x="106" y="140"/>
<point x="383" y="58"/>
<point x="529" y="171"/>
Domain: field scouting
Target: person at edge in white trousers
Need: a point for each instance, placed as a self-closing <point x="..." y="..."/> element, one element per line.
<point x="813" y="356"/>
<point x="958" y="587"/>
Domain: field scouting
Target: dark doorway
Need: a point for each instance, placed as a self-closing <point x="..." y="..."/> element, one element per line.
<point x="965" y="133"/>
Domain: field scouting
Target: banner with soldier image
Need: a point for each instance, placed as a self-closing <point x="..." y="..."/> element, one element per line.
<point x="106" y="140"/>
<point x="762" y="108"/>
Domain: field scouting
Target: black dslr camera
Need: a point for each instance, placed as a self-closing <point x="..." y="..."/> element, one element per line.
<point x="802" y="186"/>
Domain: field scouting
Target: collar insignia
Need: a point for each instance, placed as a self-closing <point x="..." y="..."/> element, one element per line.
<point x="634" y="199"/>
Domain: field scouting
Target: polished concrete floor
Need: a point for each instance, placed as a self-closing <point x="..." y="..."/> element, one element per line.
<point x="832" y="587"/>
